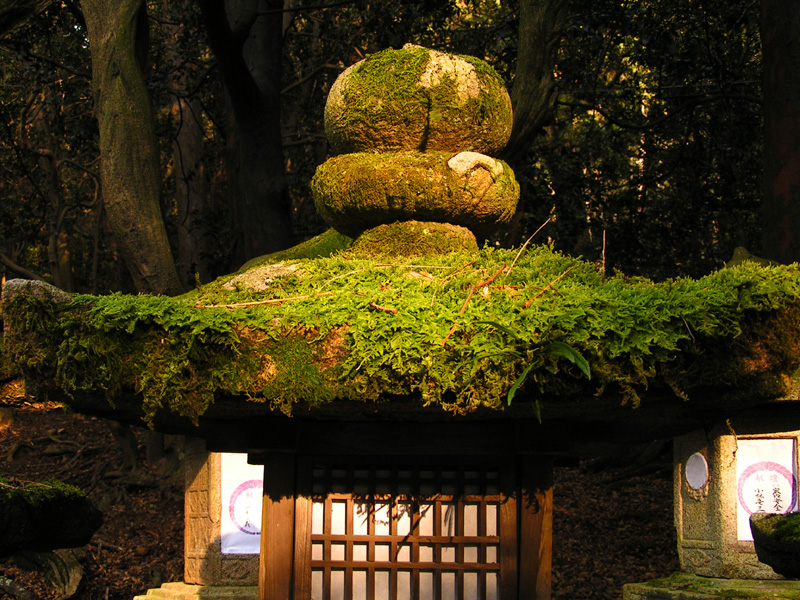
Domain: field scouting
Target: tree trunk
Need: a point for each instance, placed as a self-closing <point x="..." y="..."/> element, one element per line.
<point x="247" y="40"/>
<point x="533" y="93"/>
<point x="780" y="38"/>
<point x="130" y="166"/>
<point x="192" y="189"/>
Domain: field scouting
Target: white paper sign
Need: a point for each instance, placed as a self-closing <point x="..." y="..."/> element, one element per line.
<point x="766" y="478"/>
<point x="241" y="490"/>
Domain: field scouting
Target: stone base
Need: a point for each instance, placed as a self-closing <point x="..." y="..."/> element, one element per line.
<point x="684" y="586"/>
<point x="177" y="590"/>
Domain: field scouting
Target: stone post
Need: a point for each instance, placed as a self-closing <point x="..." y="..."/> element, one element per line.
<point x="711" y="543"/>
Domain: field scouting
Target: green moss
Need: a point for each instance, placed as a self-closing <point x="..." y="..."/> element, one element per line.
<point x="320" y="246"/>
<point x="410" y="99"/>
<point x="780" y="529"/>
<point x="367" y="330"/>
<point x="354" y="192"/>
<point x="684" y="585"/>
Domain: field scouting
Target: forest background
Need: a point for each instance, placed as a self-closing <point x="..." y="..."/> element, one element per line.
<point x="140" y="135"/>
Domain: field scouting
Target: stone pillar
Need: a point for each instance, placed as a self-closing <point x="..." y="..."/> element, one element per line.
<point x="204" y="562"/>
<point x="710" y="543"/>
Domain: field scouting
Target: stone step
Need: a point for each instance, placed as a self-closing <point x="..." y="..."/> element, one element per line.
<point x="685" y="586"/>
<point x="177" y="590"/>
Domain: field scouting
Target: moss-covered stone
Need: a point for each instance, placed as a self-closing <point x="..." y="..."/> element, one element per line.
<point x="686" y="586"/>
<point x="320" y="246"/>
<point x="354" y="192"/>
<point x="413" y="238"/>
<point x="418" y="99"/>
<point x="454" y="331"/>
<point x="777" y="542"/>
<point x="44" y="516"/>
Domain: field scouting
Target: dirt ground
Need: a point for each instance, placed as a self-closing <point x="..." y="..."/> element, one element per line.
<point x="607" y="531"/>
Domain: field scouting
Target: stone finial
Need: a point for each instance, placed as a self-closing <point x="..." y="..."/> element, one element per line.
<point x="414" y="129"/>
<point x="418" y="99"/>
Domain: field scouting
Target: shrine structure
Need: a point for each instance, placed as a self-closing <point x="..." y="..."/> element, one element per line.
<point x="404" y="391"/>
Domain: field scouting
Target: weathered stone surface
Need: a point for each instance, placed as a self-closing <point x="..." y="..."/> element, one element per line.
<point x="418" y="99"/>
<point x="354" y="192"/>
<point x="706" y="517"/>
<point x="414" y="238"/>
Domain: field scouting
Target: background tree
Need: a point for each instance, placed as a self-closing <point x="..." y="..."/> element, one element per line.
<point x="247" y="40"/>
<point x="780" y="29"/>
<point x="129" y="154"/>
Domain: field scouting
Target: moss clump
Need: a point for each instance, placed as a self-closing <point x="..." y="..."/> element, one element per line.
<point x="783" y="529"/>
<point x="354" y="192"/>
<point x="320" y="246"/>
<point x="413" y="238"/>
<point x="777" y="541"/>
<point x="685" y="585"/>
<point x="44" y="516"/>
<point x="367" y="330"/>
<point x="418" y="99"/>
<point x="788" y="528"/>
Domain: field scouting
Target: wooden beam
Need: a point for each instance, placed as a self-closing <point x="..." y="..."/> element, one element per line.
<point x="510" y="539"/>
<point x="536" y="527"/>
<point x="276" y="568"/>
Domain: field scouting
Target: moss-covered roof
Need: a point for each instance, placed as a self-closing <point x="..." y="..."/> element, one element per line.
<point x="456" y="331"/>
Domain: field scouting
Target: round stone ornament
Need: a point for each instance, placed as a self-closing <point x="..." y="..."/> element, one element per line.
<point x="354" y="192"/>
<point x="418" y="99"/>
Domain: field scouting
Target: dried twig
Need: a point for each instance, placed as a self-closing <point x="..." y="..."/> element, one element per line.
<point x="479" y="286"/>
<point x="103" y="544"/>
<point x="604" y="253"/>
<point x="387" y="309"/>
<point x="548" y="286"/>
<point x="451" y="274"/>
<point x="458" y="270"/>
<point x="260" y="302"/>
<point x="449" y="333"/>
<point x="469" y="296"/>
<point x="528" y="241"/>
<point x="467" y="299"/>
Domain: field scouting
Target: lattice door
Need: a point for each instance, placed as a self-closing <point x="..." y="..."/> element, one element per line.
<point x="406" y="533"/>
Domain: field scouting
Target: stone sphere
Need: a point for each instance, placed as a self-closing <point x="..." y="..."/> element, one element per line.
<point x="354" y="192"/>
<point x="418" y="99"/>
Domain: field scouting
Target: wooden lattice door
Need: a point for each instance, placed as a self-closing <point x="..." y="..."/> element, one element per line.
<point x="406" y="532"/>
<point x="405" y="528"/>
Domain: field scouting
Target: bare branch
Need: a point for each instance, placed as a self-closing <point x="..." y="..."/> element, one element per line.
<point x="21" y="271"/>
